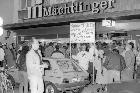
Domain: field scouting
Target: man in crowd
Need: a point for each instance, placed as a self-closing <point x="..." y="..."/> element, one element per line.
<point x="49" y="50"/>
<point x="114" y="63"/>
<point x="2" y="55"/>
<point x="14" y="50"/>
<point x="21" y="63"/>
<point x="128" y="73"/>
<point x="57" y="53"/>
<point x="82" y="57"/>
<point x="34" y="68"/>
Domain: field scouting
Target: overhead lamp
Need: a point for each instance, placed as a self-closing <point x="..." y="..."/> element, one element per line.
<point x="1" y="21"/>
<point x="1" y="31"/>
<point x="1" y="24"/>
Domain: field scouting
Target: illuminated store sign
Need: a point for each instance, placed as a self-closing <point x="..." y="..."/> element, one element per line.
<point x="69" y="8"/>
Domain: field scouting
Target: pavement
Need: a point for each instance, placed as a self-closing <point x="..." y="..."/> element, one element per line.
<point x="89" y="89"/>
<point x="93" y="89"/>
<point x="124" y="87"/>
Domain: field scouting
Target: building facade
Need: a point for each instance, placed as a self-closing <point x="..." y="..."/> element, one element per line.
<point x="7" y="13"/>
<point x="46" y="18"/>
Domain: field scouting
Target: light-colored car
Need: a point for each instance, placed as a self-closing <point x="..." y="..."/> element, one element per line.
<point x="63" y="75"/>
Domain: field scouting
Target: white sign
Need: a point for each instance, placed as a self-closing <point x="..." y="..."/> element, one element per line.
<point x="82" y="32"/>
<point x="108" y="23"/>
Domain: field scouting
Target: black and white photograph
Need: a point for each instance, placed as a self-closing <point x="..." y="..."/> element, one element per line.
<point x="69" y="46"/>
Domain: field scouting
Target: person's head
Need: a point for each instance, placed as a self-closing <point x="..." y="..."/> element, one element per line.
<point x="13" y="45"/>
<point x="83" y="47"/>
<point x="129" y="46"/>
<point x="74" y="45"/>
<point x="57" y="47"/>
<point x="34" y="44"/>
<point x="10" y="46"/>
<point x="50" y="44"/>
<point x="5" y="46"/>
<point x="115" y="51"/>
<point x="105" y="46"/>
<point x="25" y="49"/>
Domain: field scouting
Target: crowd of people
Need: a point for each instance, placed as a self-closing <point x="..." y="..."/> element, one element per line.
<point x="105" y="62"/>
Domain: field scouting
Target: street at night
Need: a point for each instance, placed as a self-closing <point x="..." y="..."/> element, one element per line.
<point x="70" y="46"/>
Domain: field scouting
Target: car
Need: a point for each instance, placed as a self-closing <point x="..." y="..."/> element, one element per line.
<point x="64" y="74"/>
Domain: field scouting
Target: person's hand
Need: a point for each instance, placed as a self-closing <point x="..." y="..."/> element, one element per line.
<point x="44" y="66"/>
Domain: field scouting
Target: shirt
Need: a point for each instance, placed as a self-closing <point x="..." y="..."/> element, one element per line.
<point x="22" y="62"/>
<point x="48" y="51"/>
<point x="2" y="54"/>
<point x="33" y="64"/>
<point x="83" y="58"/>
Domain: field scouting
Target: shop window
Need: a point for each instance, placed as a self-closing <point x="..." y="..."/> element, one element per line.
<point x="25" y="3"/>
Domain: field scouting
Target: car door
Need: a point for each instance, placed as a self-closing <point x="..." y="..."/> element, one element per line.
<point x="53" y="73"/>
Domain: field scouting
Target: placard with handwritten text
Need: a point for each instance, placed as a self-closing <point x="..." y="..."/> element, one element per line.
<point x="82" y="32"/>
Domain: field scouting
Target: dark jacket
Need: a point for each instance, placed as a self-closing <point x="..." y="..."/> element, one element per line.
<point x="22" y="59"/>
<point x="114" y="61"/>
<point x="22" y="62"/>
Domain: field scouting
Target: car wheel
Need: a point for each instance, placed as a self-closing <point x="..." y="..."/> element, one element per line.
<point x="50" y="88"/>
<point x="80" y="90"/>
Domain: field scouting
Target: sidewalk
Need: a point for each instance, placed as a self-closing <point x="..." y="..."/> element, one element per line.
<point x="125" y="87"/>
<point x="93" y="89"/>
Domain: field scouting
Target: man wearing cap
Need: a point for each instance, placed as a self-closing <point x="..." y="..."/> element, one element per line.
<point x="2" y="55"/>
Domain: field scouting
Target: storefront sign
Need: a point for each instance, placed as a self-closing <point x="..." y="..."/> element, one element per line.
<point x="82" y="32"/>
<point x="52" y="2"/>
<point x="69" y="8"/>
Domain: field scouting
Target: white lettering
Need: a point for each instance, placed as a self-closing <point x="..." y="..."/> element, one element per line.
<point x="54" y="12"/>
<point x="72" y="8"/>
<point x="29" y="12"/>
<point x="95" y="7"/>
<point x="40" y="11"/>
<point x="75" y="7"/>
<point x="67" y="9"/>
<point x="110" y="3"/>
<point x="34" y="11"/>
<point x="80" y="6"/>
<point x="60" y="10"/>
<point x="47" y="11"/>
<point x="104" y="4"/>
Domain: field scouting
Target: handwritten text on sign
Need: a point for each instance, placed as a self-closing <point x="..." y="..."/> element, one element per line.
<point x="82" y="32"/>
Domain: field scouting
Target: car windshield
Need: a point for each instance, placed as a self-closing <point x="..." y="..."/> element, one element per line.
<point x="68" y="66"/>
